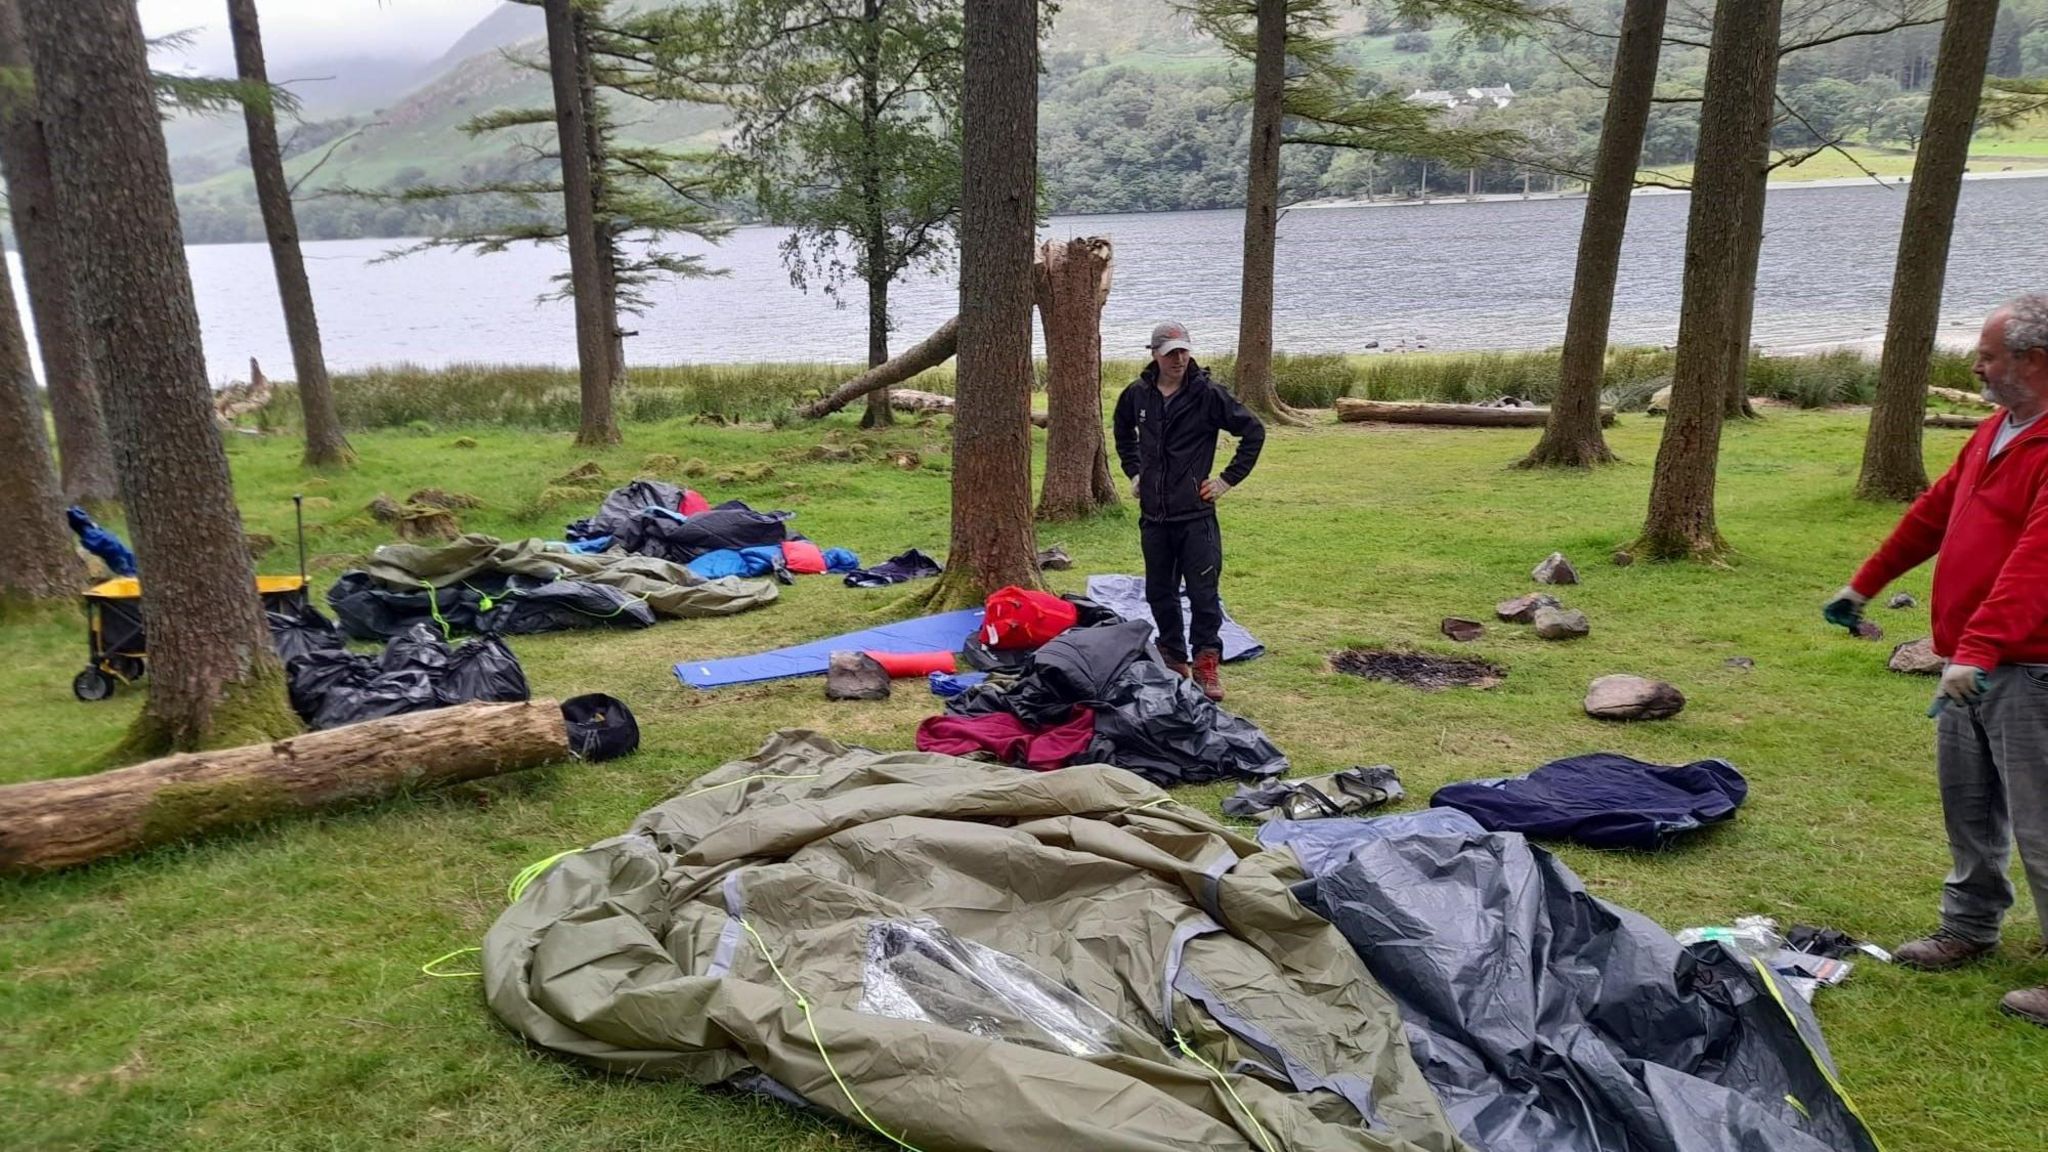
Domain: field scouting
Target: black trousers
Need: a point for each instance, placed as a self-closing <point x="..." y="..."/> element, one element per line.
<point x="1186" y="552"/>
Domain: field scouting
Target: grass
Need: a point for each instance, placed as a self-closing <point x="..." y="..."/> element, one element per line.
<point x="262" y="991"/>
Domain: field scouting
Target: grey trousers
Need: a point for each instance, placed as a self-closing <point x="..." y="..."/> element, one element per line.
<point x="1992" y="760"/>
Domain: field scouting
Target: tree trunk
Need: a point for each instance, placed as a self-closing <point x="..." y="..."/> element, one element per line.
<point x="1351" y="410"/>
<point x="595" y="326"/>
<point x="603" y="223"/>
<point x="1735" y="386"/>
<point x="875" y="238"/>
<point x="325" y="444"/>
<point x="1071" y="283"/>
<point x="1572" y="438"/>
<point x="85" y="456"/>
<point x="40" y="562"/>
<point x="926" y="354"/>
<point x="1892" y="464"/>
<point x="213" y="676"/>
<point x="1253" y="379"/>
<point x="992" y="540"/>
<point x="50" y="824"/>
<point x="1741" y="78"/>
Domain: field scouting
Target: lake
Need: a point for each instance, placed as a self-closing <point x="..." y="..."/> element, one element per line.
<point x="1447" y="275"/>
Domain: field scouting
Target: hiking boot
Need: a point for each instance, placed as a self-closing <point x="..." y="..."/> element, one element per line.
<point x="1208" y="676"/>
<point x="1177" y="666"/>
<point x="1942" y="950"/>
<point x="2029" y="1004"/>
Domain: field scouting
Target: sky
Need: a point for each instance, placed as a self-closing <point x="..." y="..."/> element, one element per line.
<point x="301" y="29"/>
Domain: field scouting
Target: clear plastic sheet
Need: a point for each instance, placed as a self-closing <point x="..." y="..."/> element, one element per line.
<point x="916" y="970"/>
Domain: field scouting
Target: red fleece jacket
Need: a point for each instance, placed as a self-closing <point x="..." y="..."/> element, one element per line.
<point x="1988" y="519"/>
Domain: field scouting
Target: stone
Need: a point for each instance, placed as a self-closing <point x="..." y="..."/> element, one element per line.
<point x="1916" y="658"/>
<point x="1462" y="630"/>
<point x="1623" y="558"/>
<point x="1555" y="569"/>
<point x="1561" y="623"/>
<point x="1054" y="559"/>
<point x="1867" y="630"/>
<point x="1632" y="698"/>
<point x="1902" y="600"/>
<point x="1522" y="609"/>
<point x="906" y="460"/>
<point x="1660" y="401"/>
<point x="855" y="676"/>
<point x="1740" y="663"/>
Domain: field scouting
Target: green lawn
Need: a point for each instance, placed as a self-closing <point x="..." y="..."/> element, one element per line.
<point x="263" y="991"/>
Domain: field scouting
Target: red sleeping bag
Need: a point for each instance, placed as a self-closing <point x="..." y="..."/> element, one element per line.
<point x="903" y="665"/>
<point x="803" y="557"/>
<point x="1020" y="618"/>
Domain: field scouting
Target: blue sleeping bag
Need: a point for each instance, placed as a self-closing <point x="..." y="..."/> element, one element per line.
<point x="1603" y="800"/>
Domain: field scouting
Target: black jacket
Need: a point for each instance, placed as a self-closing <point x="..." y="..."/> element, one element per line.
<point x="1174" y="446"/>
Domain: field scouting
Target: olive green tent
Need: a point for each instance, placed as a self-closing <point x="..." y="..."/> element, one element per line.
<point x="965" y="956"/>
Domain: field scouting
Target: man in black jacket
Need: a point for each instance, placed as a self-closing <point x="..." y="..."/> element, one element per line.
<point x="1166" y="426"/>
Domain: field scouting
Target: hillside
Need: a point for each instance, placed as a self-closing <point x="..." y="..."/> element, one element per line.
<point x="1139" y="113"/>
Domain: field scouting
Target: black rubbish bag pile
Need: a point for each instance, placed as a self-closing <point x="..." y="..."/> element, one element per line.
<point x="502" y="603"/>
<point x="1547" y="1018"/>
<point x="1147" y="719"/>
<point x="417" y="671"/>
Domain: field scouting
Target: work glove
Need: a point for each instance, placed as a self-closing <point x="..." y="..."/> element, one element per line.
<point x="1963" y="683"/>
<point x="1845" y="609"/>
<point x="1137" y="483"/>
<point x="1214" y="488"/>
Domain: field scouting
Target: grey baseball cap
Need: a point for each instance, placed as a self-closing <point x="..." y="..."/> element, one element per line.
<point x="1169" y="336"/>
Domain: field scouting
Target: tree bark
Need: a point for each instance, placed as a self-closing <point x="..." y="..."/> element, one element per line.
<point x="1253" y="378"/>
<point x="992" y="540"/>
<point x="926" y="354"/>
<point x="325" y="443"/>
<point x="603" y="224"/>
<point x="1572" y="438"/>
<point x="875" y="241"/>
<point x="1071" y="283"/>
<point x="50" y="824"/>
<point x="595" y="327"/>
<point x="213" y="676"/>
<point x="1735" y="386"/>
<point x="1741" y="79"/>
<point x="39" y="562"/>
<point x="85" y="455"/>
<point x="1892" y="464"/>
<point x="1351" y="410"/>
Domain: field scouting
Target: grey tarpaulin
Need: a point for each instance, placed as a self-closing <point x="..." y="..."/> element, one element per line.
<point x="1548" y="1019"/>
<point x="1125" y="596"/>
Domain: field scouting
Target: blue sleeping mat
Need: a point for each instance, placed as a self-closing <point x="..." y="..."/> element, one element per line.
<point x="945" y="632"/>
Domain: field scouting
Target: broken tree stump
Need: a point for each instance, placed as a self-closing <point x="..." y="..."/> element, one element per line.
<point x="1352" y="410"/>
<point x="912" y="400"/>
<point x="50" y="824"/>
<point x="1070" y="280"/>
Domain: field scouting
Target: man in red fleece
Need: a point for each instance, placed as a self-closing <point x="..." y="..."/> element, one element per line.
<point x="1987" y="518"/>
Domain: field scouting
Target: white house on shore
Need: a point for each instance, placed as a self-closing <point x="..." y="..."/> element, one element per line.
<point x="1494" y="97"/>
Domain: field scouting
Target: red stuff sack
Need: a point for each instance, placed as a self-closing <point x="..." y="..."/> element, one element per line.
<point x="1020" y="618"/>
<point x="693" y="503"/>
<point x="802" y="557"/>
<point x="903" y="665"/>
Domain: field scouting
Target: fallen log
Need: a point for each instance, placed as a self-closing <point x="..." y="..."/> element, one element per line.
<point x="50" y="824"/>
<point x="928" y="353"/>
<point x="1352" y="410"/>
<point x="1958" y="396"/>
<point x="911" y="400"/>
<point x="1945" y="420"/>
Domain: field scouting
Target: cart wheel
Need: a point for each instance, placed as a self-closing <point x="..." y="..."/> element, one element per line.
<point x="127" y="669"/>
<point x="92" y="684"/>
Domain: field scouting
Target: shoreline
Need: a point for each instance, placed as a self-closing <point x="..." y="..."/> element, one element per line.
<point x="1579" y="194"/>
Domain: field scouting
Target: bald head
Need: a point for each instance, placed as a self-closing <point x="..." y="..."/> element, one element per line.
<point x="2012" y="355"/>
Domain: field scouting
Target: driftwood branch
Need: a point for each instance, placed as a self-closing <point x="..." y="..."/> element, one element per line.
<point x="1351" y="410"/>
<point x="926" y="354"/>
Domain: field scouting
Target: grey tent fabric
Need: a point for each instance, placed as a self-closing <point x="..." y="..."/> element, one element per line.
<point x="671" y="590"/>
<point x="990" y="959"/>
<point x="1547" y="1018"/>
<point x="1125" y="596"/>
<point x="622" y="506"/>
